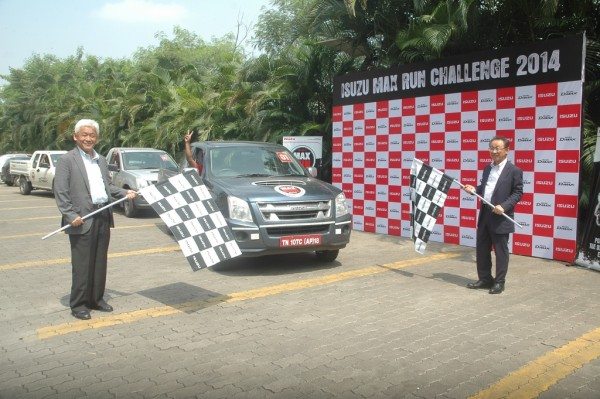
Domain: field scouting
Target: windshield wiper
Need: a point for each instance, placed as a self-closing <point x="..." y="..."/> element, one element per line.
<point x="254" y="175"/>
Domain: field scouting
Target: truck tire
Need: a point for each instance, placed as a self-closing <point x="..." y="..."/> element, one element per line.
<point x="129" y="208"/>
<point x="10" y="181"/>
<point x="327" y="255"/>
<point x="25" y="186"/>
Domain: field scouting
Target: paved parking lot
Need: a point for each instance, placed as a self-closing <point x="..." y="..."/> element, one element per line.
<point x="380" y="322"/>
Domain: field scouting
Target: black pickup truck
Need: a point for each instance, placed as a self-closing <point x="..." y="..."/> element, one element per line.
<point x="272" y="203"/>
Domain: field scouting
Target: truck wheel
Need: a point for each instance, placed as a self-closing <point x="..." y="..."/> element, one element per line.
<point x="10" y="182"/>
<point x="25" y="186"/>
<point x="328" y="255"/>
<point x="129" y="208"/>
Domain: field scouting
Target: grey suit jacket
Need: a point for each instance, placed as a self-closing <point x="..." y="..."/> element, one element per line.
<point x="508" y="191"/>
<point x="72" y="190"/>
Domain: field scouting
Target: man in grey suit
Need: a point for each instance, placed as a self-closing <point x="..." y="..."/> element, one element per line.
<point x="501" y="185"/>
<point x="81" y="186"/>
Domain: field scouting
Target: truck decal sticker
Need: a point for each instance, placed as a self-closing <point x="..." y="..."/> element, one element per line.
<point x="290" y="191"/>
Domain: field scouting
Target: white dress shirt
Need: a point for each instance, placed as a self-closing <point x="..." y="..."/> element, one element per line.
<point x="492" y="180"/>
<point x="97" y="188"/>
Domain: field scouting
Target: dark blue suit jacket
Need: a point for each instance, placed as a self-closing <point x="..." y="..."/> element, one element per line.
<point x="508" y="191"/>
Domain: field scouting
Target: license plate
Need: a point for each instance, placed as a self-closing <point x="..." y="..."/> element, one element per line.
<point x="302" y="240"/>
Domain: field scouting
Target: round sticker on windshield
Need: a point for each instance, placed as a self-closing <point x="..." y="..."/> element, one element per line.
<point x="290" y="191"/>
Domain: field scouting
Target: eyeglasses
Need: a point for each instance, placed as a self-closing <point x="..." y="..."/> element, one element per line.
<point x="496" y="149"/>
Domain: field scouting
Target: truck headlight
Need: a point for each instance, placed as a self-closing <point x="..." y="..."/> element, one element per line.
<point x="239" y="209"/>
<point x="141" y="183"/>
<point x="341" y="207"/>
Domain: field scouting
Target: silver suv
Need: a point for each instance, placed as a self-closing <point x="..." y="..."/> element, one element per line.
<point x="135" y="168"/>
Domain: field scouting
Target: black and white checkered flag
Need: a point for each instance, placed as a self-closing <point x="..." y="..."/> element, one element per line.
<point x="428" y="190"/>
<point x="185" y="205"/>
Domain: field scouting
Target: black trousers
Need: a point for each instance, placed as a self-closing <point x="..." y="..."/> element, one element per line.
<point x="486" y="239"/>
<point x="89" y="254"/>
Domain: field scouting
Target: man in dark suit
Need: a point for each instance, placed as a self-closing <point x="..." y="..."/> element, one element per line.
<point x="81" y="186"/>
<point x="502" y="186"/>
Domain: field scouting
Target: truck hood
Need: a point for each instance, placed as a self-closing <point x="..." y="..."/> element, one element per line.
<point x="267" y="189"/>
<point x="146" y="174"/>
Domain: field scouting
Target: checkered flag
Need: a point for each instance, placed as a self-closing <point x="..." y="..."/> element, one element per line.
<point x="428" y="190"/>
<point x="185" y="205"/>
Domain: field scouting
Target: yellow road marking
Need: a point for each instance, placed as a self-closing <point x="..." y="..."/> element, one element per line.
<point x="192" y="306"/>
<point x="20" y="200"/>
<point x="26" y="219"/>
<point x="61" y="261"/>
<point x="44" y="233"/>
<point x="540" y="374"/>
<point x="28" y="207"/>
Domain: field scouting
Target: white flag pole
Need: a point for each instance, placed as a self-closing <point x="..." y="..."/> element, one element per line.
<point x="85" y="217"/>
<point x="488" y="203"/>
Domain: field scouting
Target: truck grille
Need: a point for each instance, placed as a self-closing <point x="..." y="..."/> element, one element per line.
<point x="291" y="230"/>
<point x="295" y="211"/>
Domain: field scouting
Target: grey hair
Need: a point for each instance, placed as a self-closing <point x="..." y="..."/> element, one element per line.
<point x="89" y="123"/>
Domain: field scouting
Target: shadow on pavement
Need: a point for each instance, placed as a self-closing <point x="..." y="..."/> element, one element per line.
<point x="186" y="297"/>
<point x="273" y="265"/>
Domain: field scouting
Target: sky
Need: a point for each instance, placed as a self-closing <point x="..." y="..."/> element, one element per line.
<point x="111" y="28"/>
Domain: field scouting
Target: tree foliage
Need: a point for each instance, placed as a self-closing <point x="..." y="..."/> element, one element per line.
<point x="152" y="98"/>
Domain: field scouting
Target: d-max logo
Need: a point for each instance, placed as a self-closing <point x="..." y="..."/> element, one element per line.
<point x="563" y="139"/>
<point x="568" y="93"/>
<point x="421" y="141"/>
<point x="348" y="175"/>
<point x="467" y="237"/>
<point x="422" y="106"/>
<point x="382" y="126"/>
<point x="453" y="102"/>
<point x="566" y="184"/>
<point x="468" y="160"/>
<point x="541" y="246"/>
<point x="564" y="228"/>
<point x="450" y="216"/>
<point x="543" y="204"/>
<point x="547" y="161"/>
<point x="407" y="124"/>
<point x="468" y="121"/>
<point x="395" y="142"/>
<point x="370" y="176"/>
<point x="369" y="208"/>
<point x="504" y="119"/>
<point x="394" y="108"/>
<point x="524" y="139"/>
<point x="486" y="100"/>
<point x="545" y="117"/>
<point x="525" y="97"/>
<point x="452" y="141"/>
<point x="382" y="192"/>
<point x="290" y="191"/>
<point x="436" y="123"/>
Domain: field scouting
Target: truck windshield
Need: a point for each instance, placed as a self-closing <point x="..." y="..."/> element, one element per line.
<point x="55" y="158"/>
<point x="254" y="161"/>
<point x="148" y="160"/>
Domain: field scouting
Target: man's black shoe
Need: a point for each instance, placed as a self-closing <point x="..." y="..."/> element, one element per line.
<point x="103" y="307"/>
<point x="497" y="288"/>
<point x="81" y="314"/>
<point x="479" y="284"/>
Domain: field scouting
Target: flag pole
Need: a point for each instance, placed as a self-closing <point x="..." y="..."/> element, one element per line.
<point x="85" y="217"/>
<point x="488" y="203"/>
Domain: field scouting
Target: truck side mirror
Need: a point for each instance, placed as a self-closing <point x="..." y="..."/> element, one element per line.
<point x="312" y="170"/>
<point x="113" y="167"/>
